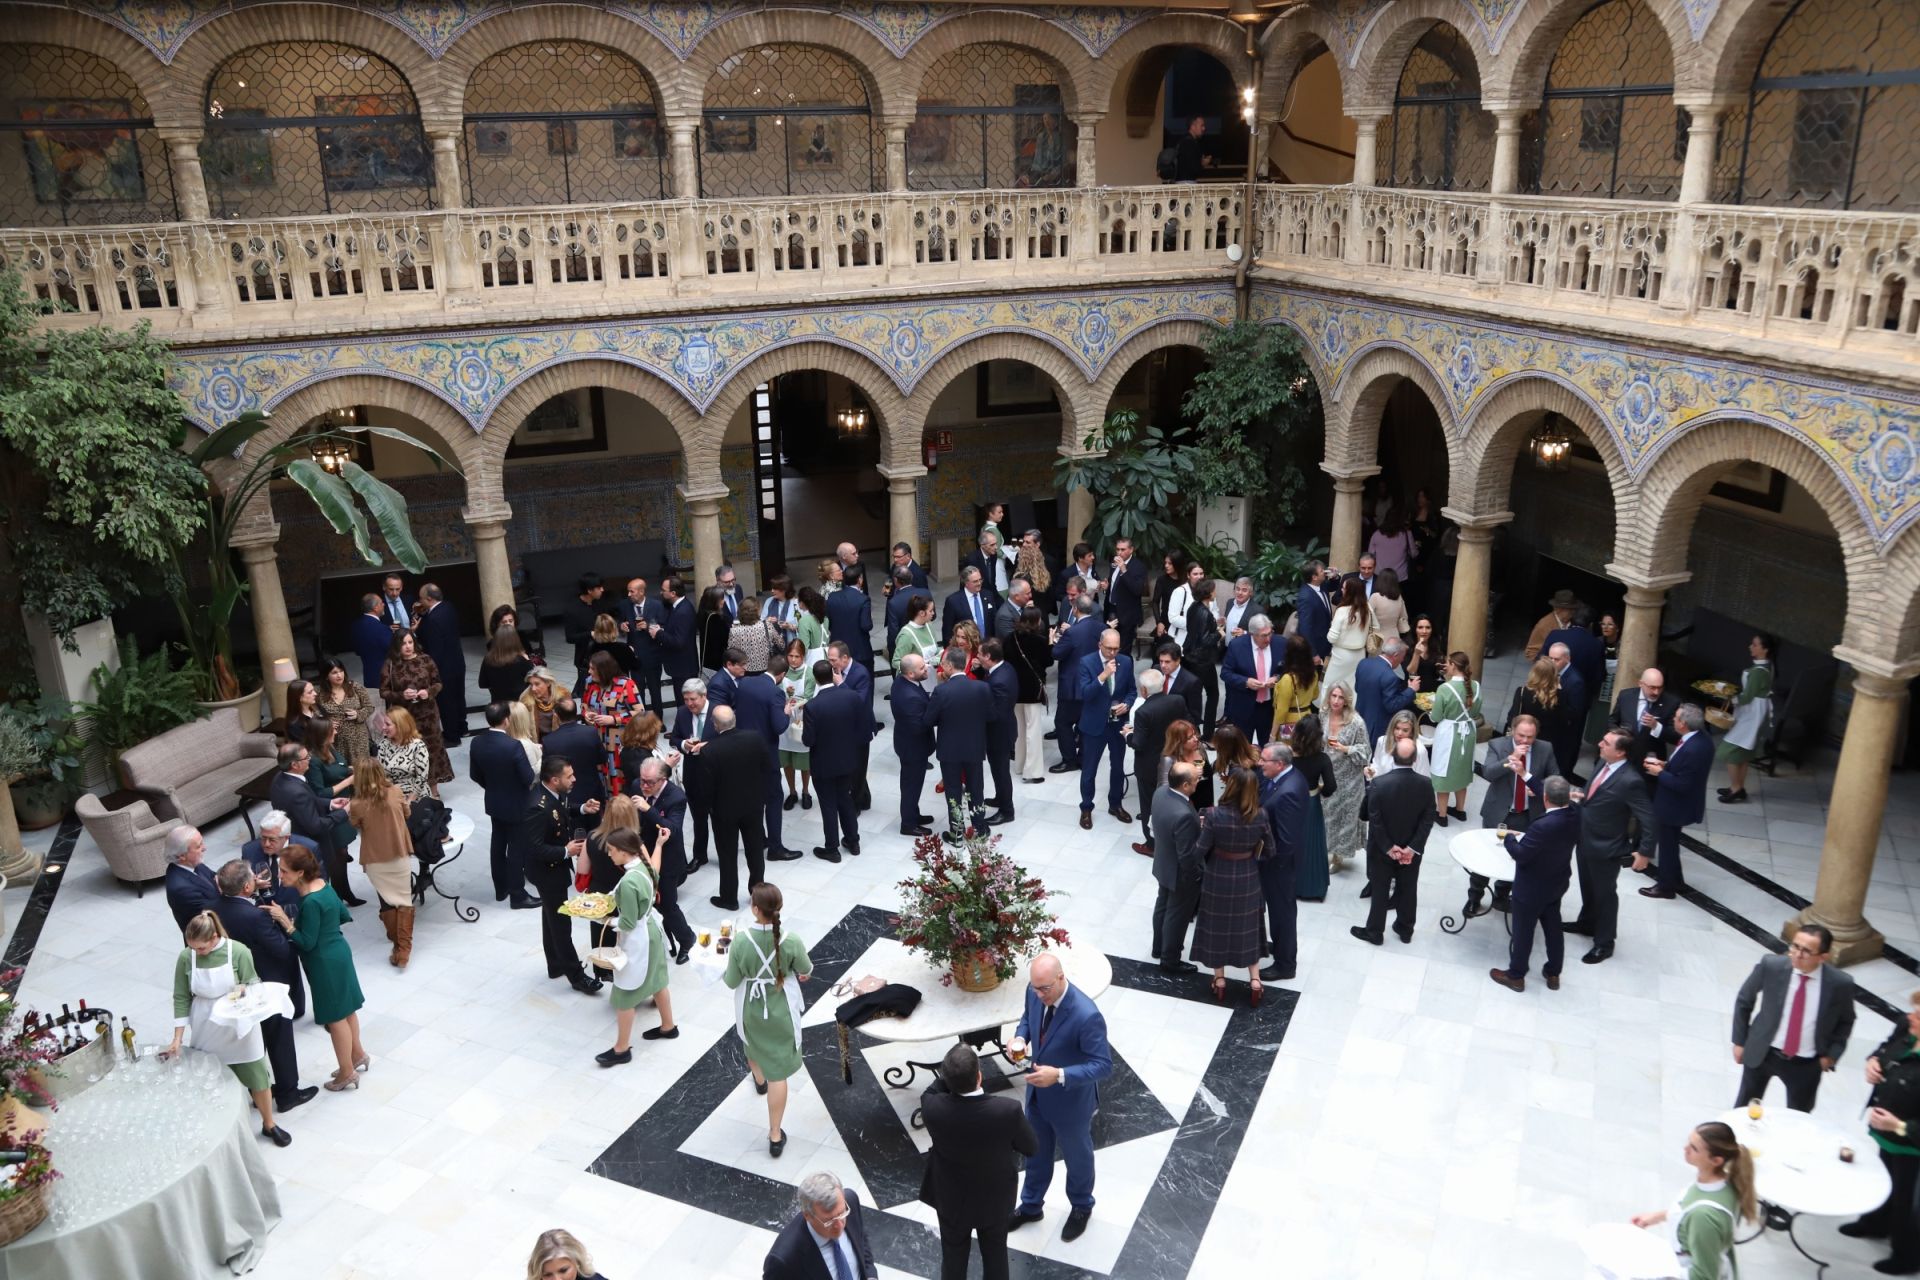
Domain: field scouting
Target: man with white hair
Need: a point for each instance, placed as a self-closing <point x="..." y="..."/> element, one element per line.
<point x="263" y="855"/>
<point x="1380" y="685"/>
<point x="826" y="1236"/>
<point x="191" y="888"/>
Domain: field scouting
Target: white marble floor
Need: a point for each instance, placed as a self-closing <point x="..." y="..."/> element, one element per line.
<point x="1417" y="1121"/>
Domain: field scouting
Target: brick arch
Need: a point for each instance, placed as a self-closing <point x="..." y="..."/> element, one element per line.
<point x="702" y="457"/>
<point x="1216" y="36"/>
<point x="1731" y="47"/>
<point x="1370" y="87"/>
<point x="514" y="27"/>
<point x="1171" y="333"/>
<point x="1497" y="429"/>
<point x="899" y="434"/>
<point x="887" y="93"/>
<point x="1069" y="59"/>
<point x="28" y="24"/>
<point x="1070" y="385"/>
<point x="1520" y="72"/>
<point x="1901" y="590"/>
<point x="1356" y="402"/>
<point x="1295" y="41"/>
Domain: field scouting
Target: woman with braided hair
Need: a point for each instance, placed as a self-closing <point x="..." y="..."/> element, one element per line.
<point x="765" y="968"/>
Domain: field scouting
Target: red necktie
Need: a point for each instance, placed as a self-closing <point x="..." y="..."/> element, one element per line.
<point x="1794" y="1015"/>
<point x="1520" y="793"/>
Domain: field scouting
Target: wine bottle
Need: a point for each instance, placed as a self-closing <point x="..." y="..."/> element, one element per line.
<point x="126" y="1039"/>
<point x="14" y="1157"/>
<point x="66" y="1015"/>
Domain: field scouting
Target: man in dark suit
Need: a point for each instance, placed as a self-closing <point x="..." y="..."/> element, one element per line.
<point x="258" y="929"/>
<point x="1576" y="698"/>
<point x="1002" y="729"/>
<point x="1802" y="1026"/>
<point x="1679" y="797"/>
<point x="1181" y="683"/>
<point x="263" y="855"/>
<point x="912" y="741"/>
<point x="499" y="764"/>
<point x="438" y="633"/>
<point x="1315" y="618"/>
<point x="827" y="1224"/>
<point x="394" y="610"/>
<point x="579" y="744"/>
<point x="663" y="807"/>
<point x="736" y="763"/>
<point x="726" y="677"/>
<point x="1616" y="814"/>
<point x="858" y="677"/>
<point x="638" y="615"/>
<point x="1249" y="672"/>
<point x="1106" y="695"/>
<point x="547" y="851"/>
<point x="1399" y="814"/>
<point x="1068" y="1038"/>
<point x="836" y="723"/>
<point x="760" y="707"/>
<point x="1007" y="616"/>
<point x="996" y="570"/>
<point x="692" y="723"/>
<point x="576" y="622"/>
<point x="971" y="1182"/>
<point x="902" y="558"/>
<point x="191" y="887"/>
<point x="850" y="616"/>
<point x="1542" y="866"/>
<point x="1283" y="798"/>
<point x="1077" y="638"/>
<point x="676" y="635"/>
<point x="971" y="603"/>
<point x="901" y="593"/>
<point x="1584" y="647"/>
<point x="1515" y="766"/>
<point x="1646" y="712"/>
<point x="729" y="583"/>
<point x="324" y="823"/>
<point x="1126" y="586"/>
<point x="371" y="635"/>
<point x="1146" y="730"/>
<point x="957" y="713"/>
<point x="1176" y="870"/>
<point x="1380" y="685"/>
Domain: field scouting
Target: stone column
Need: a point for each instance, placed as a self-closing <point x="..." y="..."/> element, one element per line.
<point x="1703" y="135"/>
<point x="1344" y="540"/>
<point x="703" y="513"/>
<point x="1696" y="186"/>
<point x="685" y="164"/>
<point x="490" y="551"/>
<point x="1080" y="526"/>
<point x="1472" y="580"/>
<point x="896" y="131"/>
<point x="1855" y="812"/>
<point x="189" y="179"/>
<point x="903" y="506"/>
<point x="1366" y="165"/>
<point x="1085" y="152"/>
<point x="449" y="192"/>
<point x="1640" y="620"/>
<point x="270" y="625"/>
<point x="1506" y="149"/>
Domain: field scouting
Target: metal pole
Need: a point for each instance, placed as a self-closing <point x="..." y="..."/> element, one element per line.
<point x="1242" y="274"/>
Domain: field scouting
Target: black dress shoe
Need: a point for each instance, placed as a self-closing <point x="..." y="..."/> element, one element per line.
<point x="1862" y="1229"/>
<point x="1019" y="1220"/>
<point x="525" y="902"/>
<point x="791" y="803"/>
<point x="1896" y="1267"/>
<point x="1178" y="966"/>
<point x="655" y="1033"/>
<point x="1076" y="1224"/>
<point x="586" y="986"/>
<point x="776" y="1145"/>
<point x="916" y="831"/>
<point x="278" y="1137"/>
<point x="998" y="817"/>
<point x="783" y="855"/>
<point x="1033" y="782"/>
<point x="924" y="819"/>
<point x="1274" y="973"/>
<point x="1086" y="819"/>
<point x="1405" y="935"/>
<point x="825" y="854"/>
<point x="1598" y="954"/>
<point x="1062" y="767"/>
<point x="298" y="1098"/>
<point x="806" y="801"/>
<point x="760" y="1087"/>
<point x="1655" y="891"/>
<point x="1368" y="935"/>
<point x="682" y="956"/>
<point x="1553" y="981"/>
<point x="698" y="863"/>
<point x="1574" y="926"/>
<point x="351" y="901"/>
<point x="1120" y="813"/>
<point x="1734" y="797"/>
<point x="994" y="803"/>
<point x="851" y="846"/>
<point x="725" y="904"/>
<point x="611" y="1059"/>
<point x="1457" y="813"/>
<point x="1440" y="820"/>
<point x="1050" y="735"/>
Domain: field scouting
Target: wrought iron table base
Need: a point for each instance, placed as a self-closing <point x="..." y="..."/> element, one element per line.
<point x="900" y="1076"/>
<point x="428" y="877"/>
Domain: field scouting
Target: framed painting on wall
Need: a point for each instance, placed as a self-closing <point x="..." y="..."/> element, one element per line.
<point x="557" y="426"/>
<point x="930" y="137"/>
<point x="730" y="135"/>
<point x="1008" y="388"/>
<point x="816" y="146"/>
<point x="563" y="138"/>
<point x="81" y="166"/>
<point x="493" y="138"/>
<point x="1040" y="156"/>
<point x="239" y="159"/>
<point x="638" y="138"/>
<point x="388" y="151"/>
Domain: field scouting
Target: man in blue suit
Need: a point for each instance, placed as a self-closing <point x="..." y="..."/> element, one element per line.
<point x="1543" y="864"/>
<point x="675" y="636"/>
<point x="1106" y="695"/>
<point x="257" y="929"/>
<point x="190" y="884"/>
<point x="1381" y="688"/>
<point x="1284" y="799"/>
<point x="1249" y="672"/>
<point x="638" y="614"/>
<point x="371" y="635"/>
<point x="1315" y="619"/>
<point x="438" y="633"/>
<point x="1001" y="729"/>
<point x="957" y="713"/>
<point x="974" y="602"/>
<point x="912" y="741"/>
<point x="578" y="743"/>
<point x="857" y="676"/>
<point x="760" y="707"/>
<point x="1576" y="696"/>
<point x="498" y="762"/>
<point x="900" y="597"/>
<point x="836" y="725"/>
<point x="691" y="723"/>
<point x="1078" y="637"/>
<point x="902" y="555"/>
<point x="850" y="615"/>
<point x="1588" y="651"/>
<point x="1070" y="1058"/>
<point x="1679" y="797"/>
<point x="720" y="689"/>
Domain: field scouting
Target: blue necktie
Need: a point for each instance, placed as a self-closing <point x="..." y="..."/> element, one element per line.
<point x="978" y="620"/>
<point x="842" y="1269"/>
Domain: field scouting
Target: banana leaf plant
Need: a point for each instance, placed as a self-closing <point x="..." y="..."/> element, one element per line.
<point x="352" y="500"/>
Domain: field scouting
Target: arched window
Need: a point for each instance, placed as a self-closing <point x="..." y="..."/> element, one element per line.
<point x="1442" y="140"/>
<point x="990" y="115"/>
<point x="1830" y="119"/>
<point x="562" y="122"/>
<point x="786" y="119"/>
<point x="87" y="152"/>
<point x="1607" y="124"/>
<point x="311" y="127"/>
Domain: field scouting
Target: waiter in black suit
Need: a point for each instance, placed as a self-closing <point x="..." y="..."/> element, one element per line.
<point x="827" y="1226"/>
<point x="958" y="713"/>
<point x="973" y="1166"/>
<point x="1126" y="584"/>
<point x="1646" y="712"/>
<point x="912" y="741"/>
<point x="438" y="634"/>
<point x="498" y="762"/>
<point x="260" y="930"/>
<point x="638" y="615"/>
<point x="1615" y="817"/>
<point x="835" y="724"/>
<point x="547" y="851"/>
<point x="736" y="762"/>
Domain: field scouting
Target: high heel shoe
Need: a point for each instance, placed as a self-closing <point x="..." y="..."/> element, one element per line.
<point x="363" y="1063"/>
<point x="1253" y="995"/>
<point x="338" y="1084"/>
<point x="1219" y="990"/>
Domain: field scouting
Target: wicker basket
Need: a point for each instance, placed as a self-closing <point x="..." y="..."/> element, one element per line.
<point x="612" y="959"/>
<point x="21" y="1214"/>
<point x="1719" y="717"/>
<point x="973" y="971"/>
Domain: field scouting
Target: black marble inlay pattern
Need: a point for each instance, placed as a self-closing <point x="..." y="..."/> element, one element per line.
<point x="1168" y="1229"/>
<point x="33" y="917"/>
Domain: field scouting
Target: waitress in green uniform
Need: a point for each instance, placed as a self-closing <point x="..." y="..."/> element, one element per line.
<point x="211" y="966"/>
<point x="765" y="969"/>
<point x="644" y="976"/>
<point x="1456" y="703"/>
<point x="1701" y="1220"/>
<point x="1752" y="708"/>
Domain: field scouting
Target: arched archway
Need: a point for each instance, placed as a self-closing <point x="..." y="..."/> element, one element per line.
<point x="562" y="122"/>
<point x="1309" y="138"/>
<point x="1606" y="125"/>
<point x="992" y="116"/>
<point x="87" y="151"/>
<point x="1439" y="138"/>
<point x="787" y="119"/>
<point x="1130" y="84"/>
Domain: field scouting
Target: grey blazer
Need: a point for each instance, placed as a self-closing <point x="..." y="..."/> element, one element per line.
<point x="1606" y="820"/>
<point x="1498" y="801"/>
<point x="1176" y="831"/>
<point x="1832" y="1022"/>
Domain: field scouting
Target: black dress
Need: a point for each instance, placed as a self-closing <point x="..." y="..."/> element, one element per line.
<point x="505" y="683"/>
<point x="1031" y="657"/>
<point x="715" y="630"/>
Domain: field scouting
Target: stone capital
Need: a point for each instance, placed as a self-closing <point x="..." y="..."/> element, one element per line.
<point x="1356" y="474"/>
<point x="257" y="543"/>
<point x="1484" y="522"/>
<point x="1876" y="676"/>
<point x="487" y="524"/>
<point x="180" y="135"/>
<point x="902" y="479"/>
<point x="1508" y="114"/>
<point x="703" y="502"/>
<point x="1634" y="578"/>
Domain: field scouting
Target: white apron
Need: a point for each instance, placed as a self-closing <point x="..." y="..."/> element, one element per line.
<point x="1729" y="1270"/>
<point x="1447" y="733"/>
<point x="1749" y="722"/>
<point x="233" y="1047"/>
<point x="637" y="946"/>
<point x="760" y="987"/>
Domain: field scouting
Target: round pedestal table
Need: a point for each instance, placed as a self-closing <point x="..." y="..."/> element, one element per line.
<point x="1479" y="852"/>
<point x="1797" y="1169"/>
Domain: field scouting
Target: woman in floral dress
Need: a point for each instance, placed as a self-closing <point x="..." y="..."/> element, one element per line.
<point x="351" y="709"/>
<point x="608" y="703"/>
<point x="410" y="683"/>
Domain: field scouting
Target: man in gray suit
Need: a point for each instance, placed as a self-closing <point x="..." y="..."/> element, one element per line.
<point x="1515" y="767"/>
<point x="1019" y="596"/>
<point x="1805" y="1017"/>
<point x="1616" y="815"/>
<point x="1399" y="819"/>
<point x="1176" y="833"/>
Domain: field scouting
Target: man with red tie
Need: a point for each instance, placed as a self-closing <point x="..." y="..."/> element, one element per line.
<point x="1804" y="1019"/>
<point x="1515" y="767"/>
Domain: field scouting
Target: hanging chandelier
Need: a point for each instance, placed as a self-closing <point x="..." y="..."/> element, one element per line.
<point x="1550" y="445"/>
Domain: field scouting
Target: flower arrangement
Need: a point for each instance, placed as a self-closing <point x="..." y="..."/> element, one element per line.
<point x="31" y="1174"/>
<point x="974" y="910"/>
<point x="24" y="1059"/>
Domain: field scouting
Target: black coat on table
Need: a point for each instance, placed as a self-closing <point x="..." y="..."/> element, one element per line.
<point x="438" y="634"/>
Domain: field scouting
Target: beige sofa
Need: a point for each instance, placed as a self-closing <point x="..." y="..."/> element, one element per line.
<point x="133" y="839"/>
<point x="192" y="772"/>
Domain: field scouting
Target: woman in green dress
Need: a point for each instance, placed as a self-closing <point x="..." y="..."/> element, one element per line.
<point x="798" y="685"/>
<point x="765" y="969"/>
<point x="333" y="985"/>
<point x="1456" y="706"/>
<point x="329" y="772"/>
<point x="811" y="627"/>
<point x="1752" y="708"/>
<point x="644" y="976"/>
<point x="1701" y="1220"/>
<point x="211" y="965"/>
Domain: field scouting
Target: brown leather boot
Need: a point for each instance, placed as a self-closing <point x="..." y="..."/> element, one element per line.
<point x="386" y="921"/>
<point x="403" y="937"/>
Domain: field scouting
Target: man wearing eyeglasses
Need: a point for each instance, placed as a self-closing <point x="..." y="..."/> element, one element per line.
<point x="826" y="1232"/>
<point x="1802" y="1025"/>
<point x="1646" y="712"/>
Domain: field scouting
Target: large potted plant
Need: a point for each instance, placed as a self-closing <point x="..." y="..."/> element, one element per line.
<point x="43" y="792"/>
<point x="973" y="911"/>
<point x="143" y="699"/>
<point x="18" y="755"/>
<point x="1248" y="406"/>
<point x="1136" y="476"/>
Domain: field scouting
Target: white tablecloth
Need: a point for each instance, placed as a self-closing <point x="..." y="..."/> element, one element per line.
<point x="162" y="1177"/>
<point x="1480" y="851"/>
<point x="947" y="1012"/>
<point x="1797" y="1164"/>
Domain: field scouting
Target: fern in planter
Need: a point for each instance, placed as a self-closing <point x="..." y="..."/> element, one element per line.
<point x="143" y="699"/>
